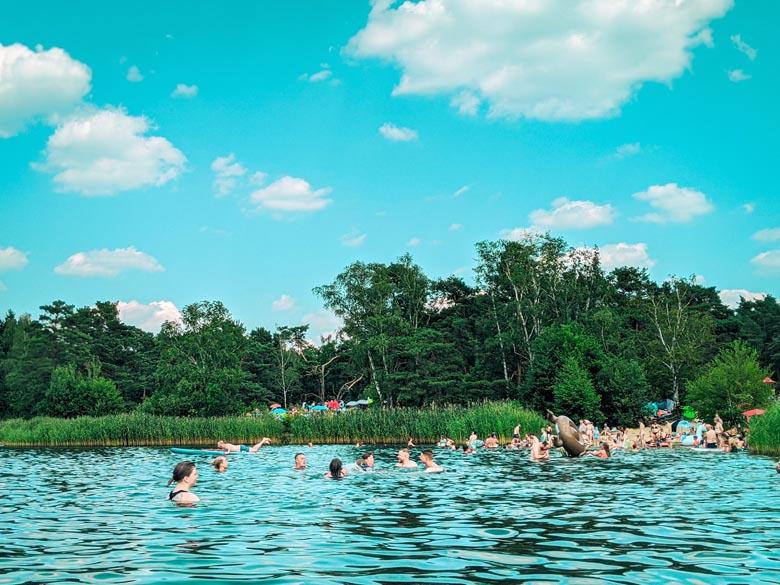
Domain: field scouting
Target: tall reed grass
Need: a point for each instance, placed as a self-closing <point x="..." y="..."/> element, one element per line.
<point x="422" y="425"/>
<point x="764" y="435"/>
<point x="374" y="425"/>
<point x="135" y="430"/>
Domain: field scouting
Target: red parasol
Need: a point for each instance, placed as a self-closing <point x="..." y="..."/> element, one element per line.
<point x="275" y="405"/>
<point x="752" y="412"/>
<point x="769" y="380"/>
<point x="333" y="404"/>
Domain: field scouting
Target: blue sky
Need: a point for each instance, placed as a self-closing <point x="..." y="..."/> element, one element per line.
<point x="159" y="154"/>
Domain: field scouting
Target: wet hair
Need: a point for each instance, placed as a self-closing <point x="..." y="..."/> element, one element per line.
<point x="466" y="447"/>
<point x="299" y="454"/>
<point x="360" y="462"/>
<point x="182" y="470"/>
<point x="335" y="468"/>
<point x="428" y="453"/>
<point x="217" y="461"/>
<point x="367" y="455"/>
<point x="605" y="446"/>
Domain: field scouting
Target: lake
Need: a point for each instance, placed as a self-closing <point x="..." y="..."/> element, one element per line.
<point x="99" y="515"/>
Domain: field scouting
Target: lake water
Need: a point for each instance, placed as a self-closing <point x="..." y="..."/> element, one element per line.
<point x="99" y="516"/>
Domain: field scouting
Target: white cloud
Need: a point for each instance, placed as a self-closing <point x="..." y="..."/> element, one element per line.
<point x="320" y="75"/>
<point x="550" y="60"/>
<point x="108" y="263"/>
<point x="414" y="242"/>
<point x="466" y="103"/>
<point x="396" y="133"/>
<point x="149" y="317"/>
<point x="743" y="47"/>
<point x="134" y="74"/>
<point x="257" y="178"/>
<point x="290" y="194"/>
<point x="622" y="254"/>
<point x="226" y="171"/>
<point x="38" y="84"/>
<point x="573" y="215"/>
<point x="767" y="235"/>
<point x="283" y="303"/>
<point x="322" y="323"/>
<point x="767" y="263"/>
<point x="106" y="151"/>
<point x="737" y="75"/>
<point x="12" y="259"/>
<point x="461" y="191"/>
<point x="184" y="91"/>
<point x="353" y="239"/>
<point x="455" y="227"/>
<point x="520" y="234"/>
<point x="674" y="204"/>
<point x="699" y="279"/>
<point x="748" y="208"/>
<point x="731" y="297"/>
<point x="626" y="150"/>
<point x="3" y="287"/>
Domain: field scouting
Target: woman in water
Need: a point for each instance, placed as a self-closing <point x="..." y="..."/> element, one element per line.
<point x="186" y="477"/>
<point x="603" y="452"/>
<point x="336" y="470"/>
<point x="220" y="464"/>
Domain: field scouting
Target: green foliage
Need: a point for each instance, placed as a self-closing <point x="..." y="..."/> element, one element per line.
<point x="764" y="435"/>
<point x="574" y="394"/>
<point x="732" y="382"/>
<point x="70" y="395"/>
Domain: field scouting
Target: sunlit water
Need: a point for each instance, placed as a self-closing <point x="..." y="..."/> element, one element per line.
<point x="99" y="515"/>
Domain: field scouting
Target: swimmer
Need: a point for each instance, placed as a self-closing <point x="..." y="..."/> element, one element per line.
<point x="473" y="437"/>
<point x="468" y="449"/>
<point x="427" y="459"/>
<point x="358" y="466"/>
<point x="539" y="451"/>
<point x="300" y="461"/>
<point x="311" y="444"/>
<point x="231" y="448"/>
<point x="491" y="442"/>
<point x="359" y="445"/>
<point x="185" y="475"/>
<point x="404" y="461"/>
<point x="410" y="444"/>
<point x="336" y="471"/>
<point x="369" y="459"/>
<point x="220" y="464"/>
<point x="603" y="452"/>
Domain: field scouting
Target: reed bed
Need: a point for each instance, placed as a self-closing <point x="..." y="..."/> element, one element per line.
<point x="764" y="434"/>
<point x="136" y="430"/>
<point x="422" y="425"/>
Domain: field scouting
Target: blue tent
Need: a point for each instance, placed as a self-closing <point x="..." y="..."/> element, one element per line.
<point x="319" y="407"/>
<point x="279" y="411"/>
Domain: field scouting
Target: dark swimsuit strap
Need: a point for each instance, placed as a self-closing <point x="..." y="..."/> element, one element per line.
<point x="174" y="494"/>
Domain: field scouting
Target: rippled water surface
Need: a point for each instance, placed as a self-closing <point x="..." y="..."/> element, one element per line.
<point x="99" y="515"/>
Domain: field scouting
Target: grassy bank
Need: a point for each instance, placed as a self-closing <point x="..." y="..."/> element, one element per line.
<point x="374" y="426"/>
<point x="764" y="438"/>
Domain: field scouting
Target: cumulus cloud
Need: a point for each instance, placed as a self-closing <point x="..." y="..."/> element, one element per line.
<point x="567" y="214"/>
<point x="353" y="239"/>
<point x="283" y="303"/>
<point x="520" y="234"/>
<point x="322" y="323"/>
<point x="108" y="263"/>
<point x="767" y="263"/>
<point x="737" y="75"/>
<point x="150" y="316"/>
<point x="290" y="194"/>
<point x="12" y="259"/>
<point x="731" y="297"/>
<point x="673" y="203"/>
<point x="103" y="152"/>
<point x="551" y="60"/>
<point x="622" y="254"/>
<point x="767" y="235"/>
<point x="38" y="84"/>
<point x="455" y="227"/>
<point x="743" y="47"/>
<point x="226" y="172"/>
<point x="396" y="133"/>
<point x="134" y="74"/>
<point x="626" y="150"/>
<point x="184" y="91"/>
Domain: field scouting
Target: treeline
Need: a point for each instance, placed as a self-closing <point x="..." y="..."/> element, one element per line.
<point x="544" y="324"/>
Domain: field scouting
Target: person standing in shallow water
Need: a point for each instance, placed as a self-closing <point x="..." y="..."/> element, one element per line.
<point x="336" y="470"/>
<point x="185" y="475"/>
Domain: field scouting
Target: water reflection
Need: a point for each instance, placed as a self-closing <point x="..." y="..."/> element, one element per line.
<point x="492" y="517"/>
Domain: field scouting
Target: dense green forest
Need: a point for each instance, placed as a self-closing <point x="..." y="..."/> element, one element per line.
<point x="543" y="324"/>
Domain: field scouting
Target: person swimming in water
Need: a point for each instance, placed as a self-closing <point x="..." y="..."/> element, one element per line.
<point x="185" y="475"/>
<point x="231" y="448"/>
<point x="404" y="461"/>
<point x="427" y="459"/>
<point x="336" y="469"/>
<point x="603" y="451"/>
<point x="300" y="461"/>
<point x="220" y="464"/>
